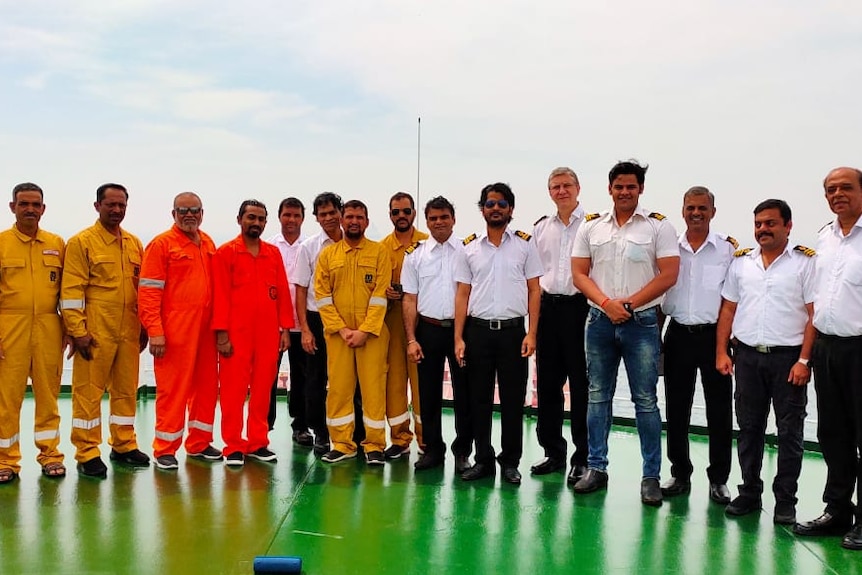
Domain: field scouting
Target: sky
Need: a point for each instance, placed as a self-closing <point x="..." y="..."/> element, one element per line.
<point x="269" y="99"/>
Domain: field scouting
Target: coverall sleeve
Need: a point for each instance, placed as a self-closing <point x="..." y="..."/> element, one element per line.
<point x="76" y="278"/>
<point x="151" y="288"/>
<point x="377" y="302"/>
<point x="221" y="270"/>
<point x="285" y="302"/>
<point x="332" y="320"/>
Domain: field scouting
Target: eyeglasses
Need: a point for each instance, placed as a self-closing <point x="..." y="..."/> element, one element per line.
<point x="193" y="211"/>
<point x="490" y="204"/>
<point x="398" y="211"/>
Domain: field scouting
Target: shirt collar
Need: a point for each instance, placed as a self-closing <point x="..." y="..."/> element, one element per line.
<point x="711" y="238"/>
<point x="576" y="215"/>
<point x="40" y="235"/>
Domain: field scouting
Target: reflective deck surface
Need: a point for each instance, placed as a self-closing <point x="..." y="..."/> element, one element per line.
<point x="349" y="518"/>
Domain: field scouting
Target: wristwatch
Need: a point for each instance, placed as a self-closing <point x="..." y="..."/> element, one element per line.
<point x="628" y="307"/>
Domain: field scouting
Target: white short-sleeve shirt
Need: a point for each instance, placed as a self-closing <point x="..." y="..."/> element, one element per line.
<point x="428" y="272"/>
<point x="554" y="239"/>
<point x="306" y="263"/>
<point x="289" y="253"/>
<point x="838" y="281"/>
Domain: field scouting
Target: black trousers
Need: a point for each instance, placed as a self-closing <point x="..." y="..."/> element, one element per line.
<point x="296" y="407"/>
<point x="687" y="350"/>
<point x="761" y="378"/>
<point x="438" y="346"/>
<point x="560" y="356"/>
<point x="838" y="380"/>
<point x="496" y="354"/>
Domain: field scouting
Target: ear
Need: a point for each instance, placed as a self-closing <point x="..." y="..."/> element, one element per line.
<point x="96" y="205"/>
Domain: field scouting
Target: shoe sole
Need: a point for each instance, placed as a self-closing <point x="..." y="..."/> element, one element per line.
<point x="851" y="546"/>
<point x="652" y="502"/>
<point x="202" y="457"/>
<point x="591" y="489"/>
<point x="268" y="459"/>
<point x="93" y="475"/>
<point x="342" y="458"/>
<point x="169" y="467"/>
<point x="234" y="462"/>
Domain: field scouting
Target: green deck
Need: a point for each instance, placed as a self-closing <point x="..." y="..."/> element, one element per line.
<point x="348" y="518"/>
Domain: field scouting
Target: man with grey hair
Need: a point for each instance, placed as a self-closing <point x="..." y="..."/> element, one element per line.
<point x="689" y="345"/>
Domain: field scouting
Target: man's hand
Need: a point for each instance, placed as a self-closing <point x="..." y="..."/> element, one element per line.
<point x="308" y="343"/>
<point x="393" y="294"/>
<point x="357" y="338"/>
<point x="528" y="346"/>
<point x="68" y="346"/>
<point x="84" y="346"/>
<point x="284" y="341"/>
<point x="414" y="352"/>
<point x="799" y="374"/>
<point x="723" y="363"/>
<point x="158" y="343"/>
<point x="461" y="351"/>
<point x="143" y="338"/>
<point x="223" y="344"/>
<point x="616" y="312"/>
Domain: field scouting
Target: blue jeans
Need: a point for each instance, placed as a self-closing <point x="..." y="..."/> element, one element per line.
<point x="637" y="343"/>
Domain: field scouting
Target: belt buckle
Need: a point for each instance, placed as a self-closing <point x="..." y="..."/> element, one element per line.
<point x="494" y="325"/>
<point x="762" y="348"/>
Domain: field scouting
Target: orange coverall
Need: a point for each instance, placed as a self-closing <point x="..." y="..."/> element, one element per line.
<point x="400" y="368"/>
<point x="31" y="334"/>
<point x="175" y="301"/>
<point x="100" y="297"/>
<point x="252" y="303"/>
<point x="350" y="290"/>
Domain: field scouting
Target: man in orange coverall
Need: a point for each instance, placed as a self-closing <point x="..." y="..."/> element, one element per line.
<point x="252" y="305"/>
<point x="350" y="286"/>
<point x="31" y="334"/>
<point x="175" y="307"/>
<point x="99" y="299"/>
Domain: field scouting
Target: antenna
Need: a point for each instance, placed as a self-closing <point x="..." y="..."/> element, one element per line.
<point x="418" y="154"/>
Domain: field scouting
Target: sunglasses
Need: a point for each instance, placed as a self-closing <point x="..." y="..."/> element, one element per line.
<point x="398" y="211"/>
<point x="490" y="204"/>
<point x="193" y="211"/>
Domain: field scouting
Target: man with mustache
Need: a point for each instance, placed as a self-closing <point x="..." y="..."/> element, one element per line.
<point x="252" y="317"/>
<point x="402" y="214"/>
<point x="767" y="304"/>
<point x="837" y="358"/>
<point x="175" y="307"/>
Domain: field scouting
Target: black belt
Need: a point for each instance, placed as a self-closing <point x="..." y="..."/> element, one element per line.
<point x="697" y="328"/>
<point x="560" y="298"/>
<point x="770" y="348"/>
<point x="830" y="337"/>
<point x="438" y="322"/>
<point x="498" y="324"/>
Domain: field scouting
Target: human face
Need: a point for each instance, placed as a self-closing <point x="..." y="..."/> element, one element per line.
<point x="440" y="223"/>
<point x="697" y="211"/>
<point x="497" y="216"/>
<point x="188" y="222"/>
<point x="329" y="219"/>
<point x="398" y="214"/>
<point x="354" y="223"/>
<point x="564" y="191"/>
<point x="28" y="208"/>
<point x="252" y="222"/>
<point x="770" y="231"/>
<point x="112" y="208"/>
<point x="844" y="193"/>
<point x="625" y="192"/>
<point x="291" y="221"/>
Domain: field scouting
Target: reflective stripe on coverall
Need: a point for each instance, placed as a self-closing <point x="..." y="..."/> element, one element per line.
<point x="400" y="368"/>
<point x="350" y="289"/>
<point x="31" y="334"/>
<point x="175" y="301"/>
<point x="99" y="297"/>
<point x="251" y="302"/>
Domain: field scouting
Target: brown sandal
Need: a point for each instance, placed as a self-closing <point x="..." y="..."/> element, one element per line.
<point x="54" y="470"/>
<point x="7" y="476"/>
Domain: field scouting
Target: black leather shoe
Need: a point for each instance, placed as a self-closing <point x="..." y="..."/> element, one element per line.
<point x="853" y="540"/>
<point x="479" y="471"/>
<point x="675" y="486"/>
<point x="826" y="524"/>
<point x="547" y="465"/>
<point x="575" y="474"/>
<point x="428" y="461"/>
<point x="719" y="493"/>
<point x="785" y="514"/>
<point x="93" y="468"/>
<point x="743" y="505"/>
<point x="651" y="492"/>
<point x="303" y="438"/>
<point x="592" y="480"/>
<point x="134" y="458"/>
<point x="511" y="475"/>
<point x="321" y="445"/>
<point x="462" y="464"/>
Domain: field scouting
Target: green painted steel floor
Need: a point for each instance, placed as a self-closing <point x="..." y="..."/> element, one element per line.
<point x="348" y="518"/>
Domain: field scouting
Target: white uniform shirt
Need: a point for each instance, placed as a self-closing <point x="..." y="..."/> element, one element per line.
<point x="289" y="253"/>
<point x="498" y="275"/>
<point x="696" y="297"/>
<point x="554" y="239"/>
<point x="623" y="258"/>
<point x="770" y="302"/>
<point x="306" y="263"/>
<point x="428" y="273"/>
<point x="838" y="281"/>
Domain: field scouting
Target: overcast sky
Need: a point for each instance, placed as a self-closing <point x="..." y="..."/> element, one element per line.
<point x="269" y="99"/>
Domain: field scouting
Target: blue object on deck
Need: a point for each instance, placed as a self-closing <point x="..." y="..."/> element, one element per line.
<point x="276" y="565"/>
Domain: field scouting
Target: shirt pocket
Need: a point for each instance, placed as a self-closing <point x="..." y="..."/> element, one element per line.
<point x="10" y="268"/>
<point x="104" y="271"/>
<point x="639" y="248"/>
<point x="854" y="273"/>
<point x="54" y="269"/>
<point x="713" y="277"/>
<point x="602" y="248"/>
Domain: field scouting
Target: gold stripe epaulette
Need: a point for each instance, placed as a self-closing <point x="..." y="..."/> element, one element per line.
<point x="742" y="252"/>
<point x="523" y="235"/>
<point x="806" y="251"/>
<point x="732" y="241"/>
<point x="469" y="239"/>
<point x="412" y="247"/>
<point x="657" y="216"/>
<point x="591" y="217"/>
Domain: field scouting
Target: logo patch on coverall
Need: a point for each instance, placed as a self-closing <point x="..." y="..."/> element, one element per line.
<point x="52" y="276"/>
<point x="369" y="278"/>
<point x="273" y="292"/>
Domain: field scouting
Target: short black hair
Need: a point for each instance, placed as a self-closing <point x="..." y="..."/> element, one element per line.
<point x="402" y="196"/>
<point x="439" y="203"/>
<point x="291" y="202"/>
<point x="500" y="188"/>
<point x="628" y="168"/>
<point x="327" y="198"/>
<point x="356" y="205"/>
<point x="100" y="191"/>
<point x="251" y="203"/>
<point x="26" y="187"/>
<point x="780" y="205"/>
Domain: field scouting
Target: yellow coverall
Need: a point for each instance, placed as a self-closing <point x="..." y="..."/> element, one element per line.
<point x="31" y="334"/>
<point x="400" y="368"/>
<point x="99" y="297"/>
<point x="350" y="289"/>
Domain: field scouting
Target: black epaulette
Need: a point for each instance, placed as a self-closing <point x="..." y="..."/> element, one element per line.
<point x="826" y="225"/>
<point x="732" y="241"/>
<point x="469" y="239"/>
<point x="536" y="223"/>
<point x="523" y="235"/>
<point x="412" y="247"/>
<point x="657" y="216"/>
<point x="742" y="252"/>
<point x="806" y="251"/>
<point x="591" y="217"/>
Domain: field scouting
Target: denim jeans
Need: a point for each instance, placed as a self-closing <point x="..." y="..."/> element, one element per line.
<point x="637" y="343"/>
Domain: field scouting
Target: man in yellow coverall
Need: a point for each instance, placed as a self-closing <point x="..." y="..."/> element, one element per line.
<point x="99" y="301"/>
<point x="31" y="335"/>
